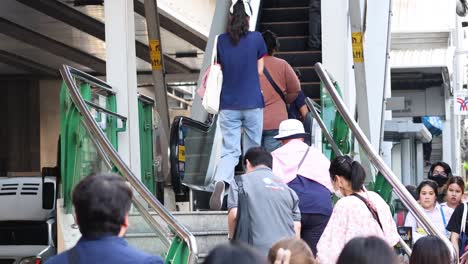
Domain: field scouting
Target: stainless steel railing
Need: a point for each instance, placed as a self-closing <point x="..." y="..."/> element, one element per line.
<point x="378" y="162"/>
<point x="69" y="75"/>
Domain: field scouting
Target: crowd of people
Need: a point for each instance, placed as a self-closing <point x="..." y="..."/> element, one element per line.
<point x="280" y="210"/>
<point x="288" y="186"/>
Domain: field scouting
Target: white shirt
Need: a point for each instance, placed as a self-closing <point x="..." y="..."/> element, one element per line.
<point x="448" y="211"/>
<point x="436" y="217"/>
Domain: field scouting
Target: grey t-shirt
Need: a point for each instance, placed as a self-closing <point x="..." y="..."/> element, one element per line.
<point x="273" y="207"/>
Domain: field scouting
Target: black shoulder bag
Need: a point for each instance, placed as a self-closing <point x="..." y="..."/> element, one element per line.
<point x="374" y="213"/>
<point x="277" y="89"/>
<point x="243" y="231"/>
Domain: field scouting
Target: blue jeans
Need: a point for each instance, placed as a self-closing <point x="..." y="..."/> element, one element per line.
<point x="231" y="123"/>
<point x="268" y="141"/>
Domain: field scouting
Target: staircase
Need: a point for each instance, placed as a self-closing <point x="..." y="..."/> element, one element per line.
<point x="289" y="20"/>
<point x="209" y="227"/>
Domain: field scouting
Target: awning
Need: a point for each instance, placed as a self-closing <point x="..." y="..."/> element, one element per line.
<point x="396" y="131"/>
<point x="422" y="58"/>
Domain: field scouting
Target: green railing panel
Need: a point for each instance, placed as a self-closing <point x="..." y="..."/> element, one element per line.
<point x="111" y="121"/>
<point x="145" y="114"/>
<point x="334" y="123"/>
<point x="79" y="157"/>
<point x="178" y="252"/>
<point x="70" y="140"/>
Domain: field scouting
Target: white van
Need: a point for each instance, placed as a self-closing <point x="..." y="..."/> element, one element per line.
<point x="27" y="219"/>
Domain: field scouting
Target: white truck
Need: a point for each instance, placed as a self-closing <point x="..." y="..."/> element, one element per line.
<point x="27" y="219"/>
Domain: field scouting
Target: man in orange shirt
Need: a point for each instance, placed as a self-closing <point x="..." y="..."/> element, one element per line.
<point x="285" y="79"/>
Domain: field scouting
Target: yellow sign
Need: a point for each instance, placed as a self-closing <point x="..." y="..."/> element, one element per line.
<point x="358" y="51"/>
<point x="181" y="153"/>
<point x="155" y="54"/>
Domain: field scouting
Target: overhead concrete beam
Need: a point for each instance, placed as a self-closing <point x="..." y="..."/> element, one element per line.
<point x="175" y="28"/>
<point x="52" y="46"/>
<point x="96" y="28"/>
<point x="27" y="64"/>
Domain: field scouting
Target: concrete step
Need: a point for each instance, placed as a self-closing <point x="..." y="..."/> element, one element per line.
<point x="199" y="221"/>
<point x="150" y="243"/>
<point x="209" y="228"/>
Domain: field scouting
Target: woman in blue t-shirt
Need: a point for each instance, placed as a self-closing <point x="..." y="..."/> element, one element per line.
<point x="240" y="53"/>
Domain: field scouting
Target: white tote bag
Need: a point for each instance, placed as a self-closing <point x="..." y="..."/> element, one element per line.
<point x="214" y="83"/>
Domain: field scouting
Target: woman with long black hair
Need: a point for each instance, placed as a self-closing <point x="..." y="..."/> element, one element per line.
<point x="240" y="53"/>
<point x="359" y="213"/>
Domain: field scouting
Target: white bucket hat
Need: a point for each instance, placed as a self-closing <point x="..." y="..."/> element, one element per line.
<point x="291" y="128"/>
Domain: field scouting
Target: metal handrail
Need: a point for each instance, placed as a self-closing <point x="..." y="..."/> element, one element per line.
<point x="68" y="74"/>
<point x="338" y="152"/>
<point x="379" y="163"/>
<point x="325" y="132"/>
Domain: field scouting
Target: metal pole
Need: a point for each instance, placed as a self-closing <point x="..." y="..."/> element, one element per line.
<point x="385" y="85"/>
<point x="161" y="115"/>
<point x="379" y="163"/>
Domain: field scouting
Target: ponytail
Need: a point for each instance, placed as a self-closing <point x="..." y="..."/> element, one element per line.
<point x="349" y="169"/>
<point x="358" y="176"/>
<point x="238" y="24"/>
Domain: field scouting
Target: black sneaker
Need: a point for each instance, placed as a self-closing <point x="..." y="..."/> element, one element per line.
<point x="216" y="199"/>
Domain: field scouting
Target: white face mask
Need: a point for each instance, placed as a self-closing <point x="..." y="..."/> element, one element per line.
<point x="339" y="194"/>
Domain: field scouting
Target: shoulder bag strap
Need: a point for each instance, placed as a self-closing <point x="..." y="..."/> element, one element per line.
<point x="303" y="158"/>
<point x="463" y="222"/>
<point x="214" y="54"/>
<point x="273" y="83"/>
<point x="374" y="213"/>
<point x="443" y="218"/>
<point x="73" y="257"/>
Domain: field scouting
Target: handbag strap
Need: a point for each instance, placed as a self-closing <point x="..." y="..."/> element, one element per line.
<point x="463" y="222"/>
<point x="214" y="54"/>
<point x="303" y="158"/>
<point x="371" y="208"/>
<point x="275" y="86"/>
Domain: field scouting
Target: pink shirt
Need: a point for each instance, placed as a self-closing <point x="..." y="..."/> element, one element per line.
<point x="351" y="218"/>
<point x="315" y="166"/>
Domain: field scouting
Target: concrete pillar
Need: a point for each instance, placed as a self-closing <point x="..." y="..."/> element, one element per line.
<point x="419" y="162"/>
<point x="122" y="76"/>
<point x="406" y="162"/>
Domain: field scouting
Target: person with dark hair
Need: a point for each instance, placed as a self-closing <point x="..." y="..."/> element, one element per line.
<point x="427" y="193"/>
<point x="440" y="172"/>
<point x="280" y="87"/>
<point x="273" y="210"/>
<point x="454" y="195"/>
<point x="455" y="226"/>
<point x="430" y="250"/>
<point x="359" y="213"/>
<point x="413" y="190"/>
<point x="291" y="251"/>
<point x="305" y="170"/>
<point x="102" y="202"/>
<point x="233" y="253"/>
<point x="366" y="250"/>
<point x="240" y="54"/>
